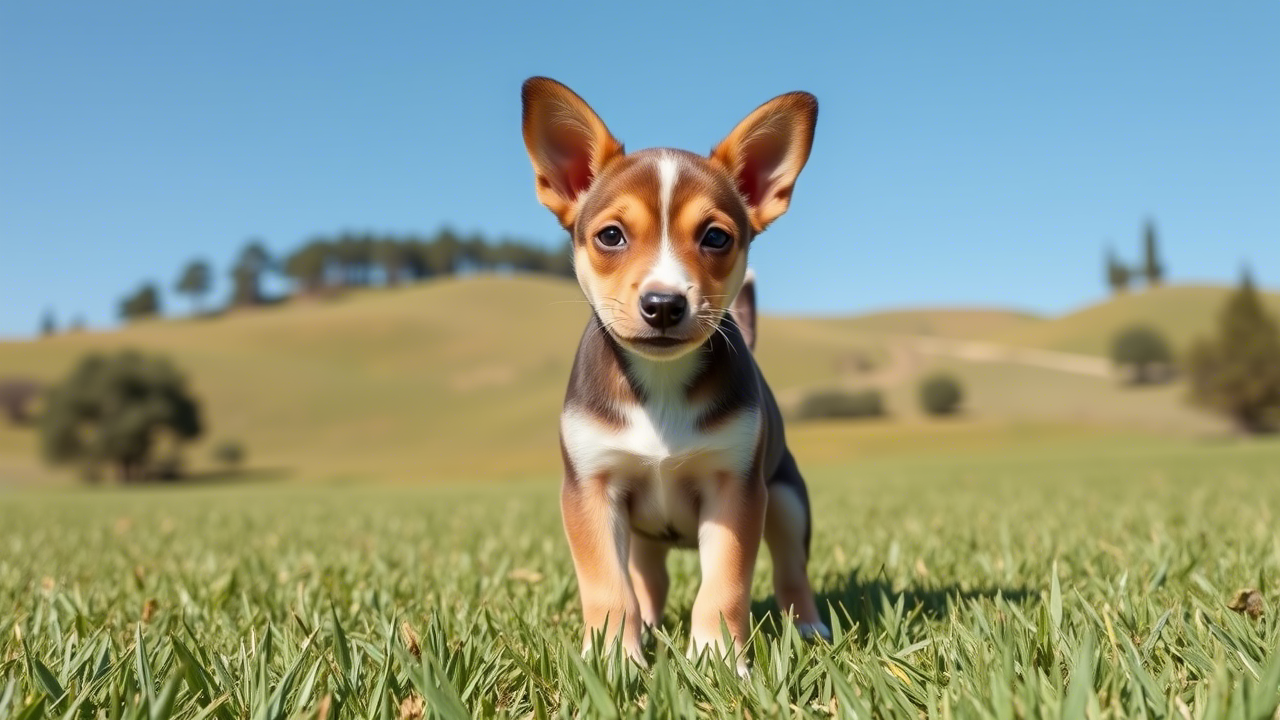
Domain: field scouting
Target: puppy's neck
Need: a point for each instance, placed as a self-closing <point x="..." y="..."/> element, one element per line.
<point x="654" y="378"/>
<point x="665" y="378"/>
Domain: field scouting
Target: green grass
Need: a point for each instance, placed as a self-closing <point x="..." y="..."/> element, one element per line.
<point x="1085" y="578"/>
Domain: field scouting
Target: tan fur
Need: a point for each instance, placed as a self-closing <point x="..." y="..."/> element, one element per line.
<point x="598" y="537"/>
<point x="728" y="541"/>
<point x="626" y="195"/>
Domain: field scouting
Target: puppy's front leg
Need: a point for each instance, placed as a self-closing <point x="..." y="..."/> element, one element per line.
<point x="599" y="537"/>
<point x="729" y="530"/>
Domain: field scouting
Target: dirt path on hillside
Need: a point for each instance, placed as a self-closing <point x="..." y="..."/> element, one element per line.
<point x="989" y="352"/>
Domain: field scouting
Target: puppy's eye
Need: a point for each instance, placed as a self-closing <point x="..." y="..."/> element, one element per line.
<point x="611" y="237"/>
<point x="716" y="239"/>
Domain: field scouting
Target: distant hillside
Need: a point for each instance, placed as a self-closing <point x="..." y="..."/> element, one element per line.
<point x="463" y="378"/>
<point x="1181" y="312"/>
<point x="964" y="323"/>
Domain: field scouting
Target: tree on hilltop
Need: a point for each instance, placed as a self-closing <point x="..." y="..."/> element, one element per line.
<point x="1152" y="269"/>
<point x="246" y="274"/>
<point x="1118" y="275"/>
<point x="142" y="304"/>
<point x="195" y="282"/>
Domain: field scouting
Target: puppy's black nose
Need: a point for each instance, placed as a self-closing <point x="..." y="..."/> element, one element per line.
<point x="663" y="310"/>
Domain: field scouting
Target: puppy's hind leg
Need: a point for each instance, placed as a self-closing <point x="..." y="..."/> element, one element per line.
<point x="787" y="531"/>
<point x="648" y="567"/>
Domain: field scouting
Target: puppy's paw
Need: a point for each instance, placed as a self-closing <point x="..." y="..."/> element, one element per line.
<point x="812" y="630"/>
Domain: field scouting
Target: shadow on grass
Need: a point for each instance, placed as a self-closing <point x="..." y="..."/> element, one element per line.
<point x="865" y="602"/>
<point x="210" y="478"/>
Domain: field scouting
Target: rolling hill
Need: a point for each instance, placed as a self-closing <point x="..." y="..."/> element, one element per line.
<point x="463" y="378"/>
<point x="1181" y="312"/>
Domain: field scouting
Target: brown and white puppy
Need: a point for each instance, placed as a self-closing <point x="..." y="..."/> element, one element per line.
<point x="669" y="434"/>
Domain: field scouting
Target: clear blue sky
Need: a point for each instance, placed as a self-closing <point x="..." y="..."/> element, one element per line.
<point x="963" y="156"/>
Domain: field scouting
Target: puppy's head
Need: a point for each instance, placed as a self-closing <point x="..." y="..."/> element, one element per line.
<point x="660" y="236"/>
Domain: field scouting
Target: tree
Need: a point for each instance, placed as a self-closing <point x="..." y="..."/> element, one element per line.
<point x="1151" y="267"/>
<point x="475" y="254"/>
<point x="246" y="275"/>
<point x="1237" y="372"/>
<point x="48" y="324"/>
<point x="308" y="264"/>
<point x="390" y="255"/>
<point x="560" y="260"/>
<point x="195" y="282"/>
<point x="115" y="410"/>
<point x="941" y="395"/>
<point x="1118" y="275"/>
<point x="1144" y="353"/>
<point x="144" y="303"/>
<point x="443" y="253"/>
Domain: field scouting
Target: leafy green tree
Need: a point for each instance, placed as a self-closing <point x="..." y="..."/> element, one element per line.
<point x="144" y="303"/>
<point x="560" y="261"/>
<point x="475" y="253"/>
<point x="1144" y="353"/>
<point x="246" y="275"/>
<point x="308" y="265"/>
<point x="1237" y="372"/>
<point x="444" y="253"/>
<point x="115" y="411"/>
<point x="1152" y="268"/>
<point x="941" y="395"/>
<point x="48" y="324"/>
<point x="414" y="260"/>
<point x="196" y="282"/>
<point x="391" y="256"/>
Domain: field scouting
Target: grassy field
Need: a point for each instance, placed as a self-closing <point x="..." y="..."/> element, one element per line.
<point x="1080" y="577"/>
<point x="463" y="378"/>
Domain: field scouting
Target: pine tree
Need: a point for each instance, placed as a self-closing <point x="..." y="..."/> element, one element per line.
<point x="1118" y="275"/>
<point x="142" y="304"/>
<point x="1152" y="268"/>
<point x="245" y="276"/>
<point x="48" y="324"/>
<point x="1237" y="372"/>
<point x="195" y="282"/>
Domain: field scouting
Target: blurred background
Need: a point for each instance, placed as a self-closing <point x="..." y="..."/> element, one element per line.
<point x="247" y="240"/>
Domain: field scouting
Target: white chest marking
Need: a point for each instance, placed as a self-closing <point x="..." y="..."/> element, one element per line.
<point x="658" y="442"/>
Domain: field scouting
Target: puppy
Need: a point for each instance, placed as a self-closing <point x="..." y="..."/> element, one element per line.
<point x="669" y="434"/>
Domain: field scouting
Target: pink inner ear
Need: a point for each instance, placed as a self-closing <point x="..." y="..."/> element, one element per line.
<point x="750" y="179"/>
<point x="577" y="173"/>
<point x="571" y="155"/>
<point x="760" y="160"/>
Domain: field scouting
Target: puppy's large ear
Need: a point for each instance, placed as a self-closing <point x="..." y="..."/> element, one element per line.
<point x="766" y="152"/>
<point x="567" y="142"/>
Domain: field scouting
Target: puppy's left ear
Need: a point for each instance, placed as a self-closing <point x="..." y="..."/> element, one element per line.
<point x="766" y="152"/>
<point x="567" y="142"/>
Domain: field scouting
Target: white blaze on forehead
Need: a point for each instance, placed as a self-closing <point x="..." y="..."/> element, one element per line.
<point x="668" y="271"/>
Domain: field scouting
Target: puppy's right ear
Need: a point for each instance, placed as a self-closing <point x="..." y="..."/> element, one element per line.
<point x="567" y="142"/>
